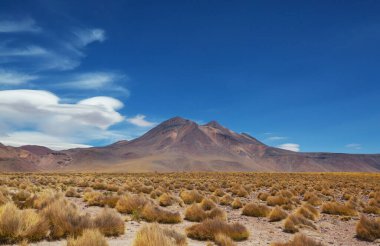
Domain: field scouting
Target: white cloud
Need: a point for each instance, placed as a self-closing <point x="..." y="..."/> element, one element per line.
<point x="87" y="36"/>
<point x="354" y="146"/>
<point x="29" y="50"/>
<point x="139" y="120"/>
<point x="14" y="78"/>
<point x="43" y="112"/>
<point x="275" y="138"/>
<point x="34" y="138"/>
<point x="290" y="146"/>
<point x="96" y="80"/>
<point x="107" y="103"/>
<point x="52" y="52"/>
<point x="23" y="25"/>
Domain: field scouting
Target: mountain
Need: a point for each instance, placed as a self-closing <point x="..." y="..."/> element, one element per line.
<point x="182" y="145"/>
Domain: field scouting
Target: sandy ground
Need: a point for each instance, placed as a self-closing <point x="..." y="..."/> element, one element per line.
<point x="331" y="230"/>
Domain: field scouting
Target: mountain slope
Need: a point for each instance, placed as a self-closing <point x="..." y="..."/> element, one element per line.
<point x="182" y="145"/>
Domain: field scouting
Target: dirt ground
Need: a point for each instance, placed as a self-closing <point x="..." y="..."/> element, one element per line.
<point x="331" y="230"/>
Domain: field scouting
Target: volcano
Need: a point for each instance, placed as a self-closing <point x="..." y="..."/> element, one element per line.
<point x="181" y="145"/>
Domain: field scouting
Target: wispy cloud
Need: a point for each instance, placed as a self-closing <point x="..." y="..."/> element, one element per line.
<point x="88" y="36"/>
<point x="22" y="138"/>
<point x="23" y="25"/>
<point x="96" y="80"/>
<point x="354" y="146"/>
<point x="14" y="78"/>
<point x="57" y="51"/>
<point x="290" y="146"/>
<point x="139" y="120"/>
<point x="276" y="138"/>
<point x="30" y="50"/>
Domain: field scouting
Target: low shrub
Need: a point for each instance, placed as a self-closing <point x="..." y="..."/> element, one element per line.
<point x="154" y="235"/>
<point x="224" y="240"/>
<point x="130" y="203"/>
<point x="90" y="237"/>
<point x="226" y="200"/>
<point x="299" y="240"/>
<point x="295" y="221"/>
<point x="109" y="223"/>
<point x="236" y="204"/>
<point x="207" y="204"/>
<point x="338" y="209"/>
<point x="308" y="211"/>
<point x="209" y="228"/>
<point x="191" y="196"/>
<point x="17" y="225"/>
<point x="256" y="210"/>
<point x="368" y="229"/>
<point x="153" y="213"/>
<point x="277" y="214"/>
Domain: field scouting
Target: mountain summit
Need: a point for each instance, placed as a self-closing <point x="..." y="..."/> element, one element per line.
<point x="179" y="144"/>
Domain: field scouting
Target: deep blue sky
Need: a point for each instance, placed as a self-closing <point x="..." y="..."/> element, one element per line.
<point x="287" y="72"/>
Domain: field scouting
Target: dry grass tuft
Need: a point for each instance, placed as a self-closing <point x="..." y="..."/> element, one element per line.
<point x="367" y="229"/>
<point x="17" y="225"/>
<point x="277" y="200"/>
<point x="308" y="211"/>
<point x="299" y="240"/>
<point x="190" y="196"/>
<point x="72" y="192"/>
<point x="277" y="214"/>
<point x="338" y="209"/>
<point x="131" y="203"/>
<point x="208" y="229"/>
<point x="197" y="214"/>
<point x="166" y="200"/>
<point x="90" y="237"/>
<point x="256" y="210"/>
<point x="207" y="204"/>
<point x="236" y="204"/>
<point x="226" y="200"/>
<point x="224" y="240"/>
<point x="263" y="196"/>
<point x="154" y="235"/>
<point x="153" y="213"/>
<point x="65" y="220"/>
<point x="109" y="223"/>
<point x="294" y="221"/>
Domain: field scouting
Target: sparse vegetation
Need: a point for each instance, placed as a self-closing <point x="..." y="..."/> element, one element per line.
<point x="256" y="210"/>
<point x="83" y="207"/>
<point x="89" y="238"/>
<point x="277" y="214"/>
<point x="154" y="235"/>
<point x="368" y="229"/>
<point x="208" y="229"/>
<point x="338" y="209"/>
<point x="299" y="240"/>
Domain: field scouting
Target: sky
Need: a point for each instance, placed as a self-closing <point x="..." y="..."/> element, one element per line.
<point x="300" y="75"/>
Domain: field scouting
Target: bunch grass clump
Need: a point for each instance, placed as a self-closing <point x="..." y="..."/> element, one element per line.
<point x="368" y="229"/>
<point x="256" y="210"/>
<point x="90" y="237"/>
<point x="338" y="209"/>
<point x="17" y="225"/>
<point x="210" y="228"/>
<point x="299" y="240"/>
<point x="109" y="223"/>
<point x="277" y="214"/>
<point x="153" y="213"/>
<point x="154" y="235"/>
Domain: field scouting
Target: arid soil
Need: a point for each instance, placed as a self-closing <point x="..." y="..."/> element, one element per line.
<point x="355" y="193"/>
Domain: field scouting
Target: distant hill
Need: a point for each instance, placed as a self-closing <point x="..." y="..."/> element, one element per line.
<point x="182" y="145"/>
